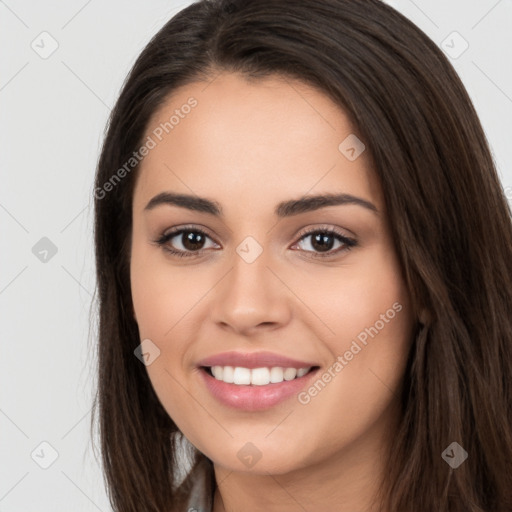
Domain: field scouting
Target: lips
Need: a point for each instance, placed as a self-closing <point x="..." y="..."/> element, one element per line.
<point x="254" y="397"/>
<point x="254" y="360"/>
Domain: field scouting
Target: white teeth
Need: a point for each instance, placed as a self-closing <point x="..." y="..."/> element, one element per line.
<point x="228" y="374"/>
<point x="242" y="376"/>
<point x="302" y="371"/>
<point x="290" y="373"/>
<point x="276" y="374"/>
<point x="260" y="376"/>
<point x="218" y="372"/>
<point x="256" y="376"/>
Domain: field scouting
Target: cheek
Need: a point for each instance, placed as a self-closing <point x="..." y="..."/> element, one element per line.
<point x="377" y="306"/>
<point x="161" y="303"/>
<point x="378" y="328"/>
<point x="163" y="296"/>
<point x="372" y="325"/>
<point x="363" y="300"/>
<point x="167" y="304"/>
<point x="358" y="392"/>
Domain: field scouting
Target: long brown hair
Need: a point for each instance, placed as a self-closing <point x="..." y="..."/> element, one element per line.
<point x="448" y="213"/>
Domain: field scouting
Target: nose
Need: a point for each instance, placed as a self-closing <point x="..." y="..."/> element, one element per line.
<point x="251" y="297"/>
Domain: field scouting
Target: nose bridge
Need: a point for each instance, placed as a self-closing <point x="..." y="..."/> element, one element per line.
<point x="249" y="279"/>
<point x="250" y="293"/>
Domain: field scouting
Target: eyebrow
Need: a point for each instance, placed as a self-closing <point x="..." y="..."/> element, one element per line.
<point x="284" y="209"/>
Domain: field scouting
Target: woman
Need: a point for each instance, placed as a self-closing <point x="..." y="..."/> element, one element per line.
<point x="303" y="260"/>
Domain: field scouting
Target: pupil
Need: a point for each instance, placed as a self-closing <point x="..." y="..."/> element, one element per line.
<point x="320" y="241"/>
<point x="193" y="240"/>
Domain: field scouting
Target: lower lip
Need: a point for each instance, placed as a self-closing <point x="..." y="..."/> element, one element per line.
<point x="254" y="398"/>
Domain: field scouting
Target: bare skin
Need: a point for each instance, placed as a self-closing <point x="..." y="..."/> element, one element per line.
<point x="249" y="146"/>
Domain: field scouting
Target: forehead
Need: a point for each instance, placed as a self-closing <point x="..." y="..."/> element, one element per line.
<point x="252" y="143"/>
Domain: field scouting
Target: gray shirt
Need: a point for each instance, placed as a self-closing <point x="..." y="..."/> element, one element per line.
<point x="200" y="490"/>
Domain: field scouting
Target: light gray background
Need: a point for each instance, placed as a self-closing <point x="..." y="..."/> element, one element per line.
<point x="53" y="112"/>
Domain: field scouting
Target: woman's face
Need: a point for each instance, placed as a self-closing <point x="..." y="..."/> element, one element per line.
<point x="262" y="273"/>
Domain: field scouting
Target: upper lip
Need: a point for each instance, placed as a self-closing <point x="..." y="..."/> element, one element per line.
<point x="253" y="360"/>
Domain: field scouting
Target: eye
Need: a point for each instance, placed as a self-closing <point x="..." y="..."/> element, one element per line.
<point x="323" y="239"/>
<point x="190" y="238"/>
<point x="192" y="241"/>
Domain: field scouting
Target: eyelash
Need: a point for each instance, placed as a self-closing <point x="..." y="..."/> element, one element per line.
<point x="162" y="241"/>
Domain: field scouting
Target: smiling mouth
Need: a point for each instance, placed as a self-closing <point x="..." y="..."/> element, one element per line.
<point x="264" y="376"/>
